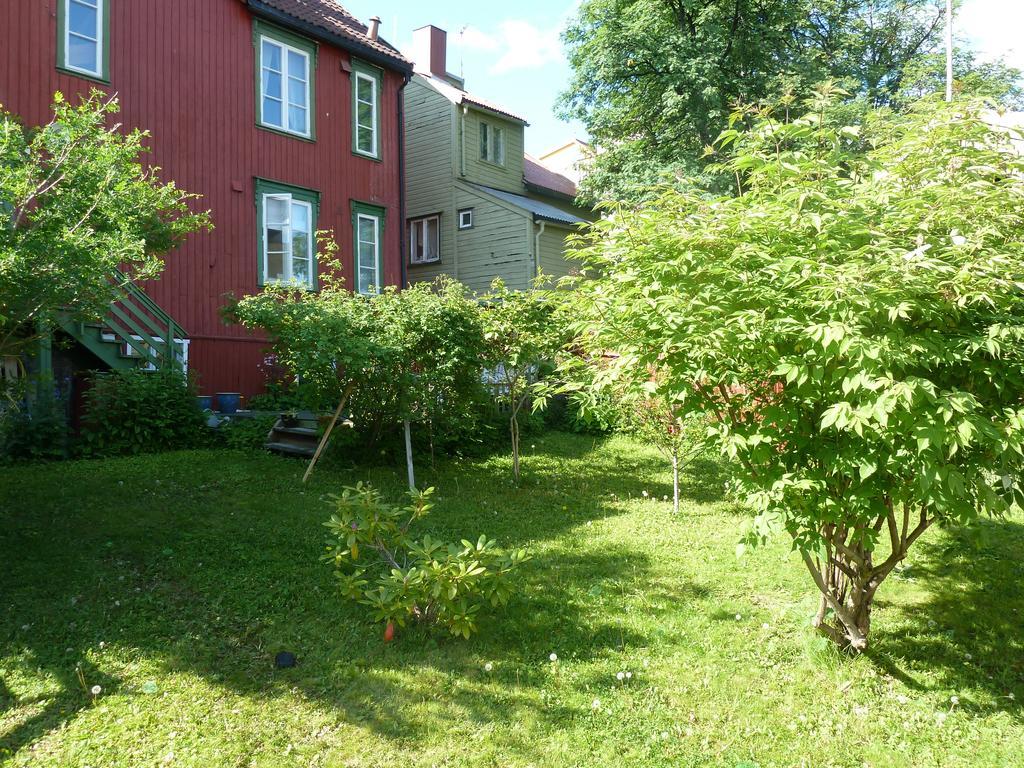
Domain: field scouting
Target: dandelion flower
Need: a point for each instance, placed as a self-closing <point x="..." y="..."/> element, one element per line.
<point x="553" y="657"/>
<point x="620" y="676"/>
<point x="954" y="700"/>
<point x="664" y="735"/>
<point x="488" y="667"/>
<point x="96" y="690"/>
<point x="739" y="617"/>
<point x="595" y="704"/>
<point x="629" y="675"/>
<point x="1010" y="696"/>
<point x="766" y="625"/>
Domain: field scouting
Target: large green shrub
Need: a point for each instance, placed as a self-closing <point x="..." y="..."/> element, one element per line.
<point x="379" y="564"/>
<point x="415" y="354"/>
<point x="136" y="411"/>
<point x="852" y="322"/>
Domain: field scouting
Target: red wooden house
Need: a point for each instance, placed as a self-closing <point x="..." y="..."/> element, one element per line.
<point x="285" y="115"/>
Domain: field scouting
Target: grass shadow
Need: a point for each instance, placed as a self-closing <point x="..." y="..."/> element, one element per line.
<point x="966" y="636"/>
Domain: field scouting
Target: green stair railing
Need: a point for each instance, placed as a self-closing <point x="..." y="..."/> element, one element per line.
<point x="136" y="324"/>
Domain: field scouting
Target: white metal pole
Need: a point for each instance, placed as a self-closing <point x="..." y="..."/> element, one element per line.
<point x="949" y="50"/>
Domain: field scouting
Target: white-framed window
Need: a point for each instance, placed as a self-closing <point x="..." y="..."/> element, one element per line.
<point x="288" y="240"/>
<point x="83" y="36"/>
<point x="368" y="267"/>
<point x="366" y="138"/>
<point x="492" y="143"/>
<point x="285" y="87"/>
<point x="466" y="218"/>
<point x="425" y="240"/>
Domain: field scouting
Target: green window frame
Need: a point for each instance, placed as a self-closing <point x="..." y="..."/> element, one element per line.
<point x="83" y="25"/>
<point x="283" y="84"/>
<point x="367" y="95"/>
<point x="368" y="247"/>
<point x="286" y="227"/>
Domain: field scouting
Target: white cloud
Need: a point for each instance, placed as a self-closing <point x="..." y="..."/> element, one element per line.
<point x="525" y="46"/>
<point x="993" y="27"/>
<point x="477" y="40"/>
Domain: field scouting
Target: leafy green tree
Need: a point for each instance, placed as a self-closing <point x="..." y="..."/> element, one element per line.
<point x="852" y="323"/>
<point x="523" y="338"/>
<point x="77" y="204"/>
<point x="654" y="81"/>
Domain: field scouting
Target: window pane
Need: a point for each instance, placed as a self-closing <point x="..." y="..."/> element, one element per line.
<point x="83" y="19"/>
<point x="300" y="218"/>
<point x="368" y="230"/>
<point x="271" y="84"/>
<point x="297" y="92"/>
<point x="277" y="210"/>
<point x="367" y="280"/>
<point x="483" y="141"/>
<point x="297" y="119"/>
<point x="297" y="66"/>
<point x="300" y="269"/>
<point x="431" y="239"/>
<point x="271" y="56"/>
<point x="365" y="141"/>
<point x="82" y="53"/>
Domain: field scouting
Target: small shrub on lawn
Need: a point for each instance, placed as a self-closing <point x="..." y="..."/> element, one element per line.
<point x="247" y="434"/>
<point x="380" y="565"/>
<point x="137" y="411"/>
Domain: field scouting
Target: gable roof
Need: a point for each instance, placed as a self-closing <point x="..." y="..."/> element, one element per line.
<point x="541" y="211"/>
<point x="541" y="179"/>
<point x="458" y="96"/>
<point x="330" y="21"/>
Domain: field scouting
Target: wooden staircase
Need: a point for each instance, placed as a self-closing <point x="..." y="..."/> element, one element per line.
<point x="135" y="333"/>
<point x="295" y="434"/>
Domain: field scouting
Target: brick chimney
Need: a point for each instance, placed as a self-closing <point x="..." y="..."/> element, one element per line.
<point x="430" y="51"/>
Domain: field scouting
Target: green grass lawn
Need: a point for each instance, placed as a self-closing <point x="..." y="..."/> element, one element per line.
<point x="171" y="581"/>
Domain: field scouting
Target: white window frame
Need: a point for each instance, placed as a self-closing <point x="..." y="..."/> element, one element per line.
<point x="463" y="224"/>
<point x="357" y="126"/>
<point x="100" y="42"/>
<point x="289" y="258"/>
<point x="377" y="281"/>
<point x="421" y="223"/>
<point x="494" y="138"/>
<point x="285" y="77"/>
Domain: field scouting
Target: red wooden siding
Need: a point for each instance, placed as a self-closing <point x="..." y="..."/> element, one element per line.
<point x="184" y="70"/>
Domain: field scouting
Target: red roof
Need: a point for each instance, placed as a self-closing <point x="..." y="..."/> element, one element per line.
<point x="537" y="175"/>
<point x="336" y="20"/>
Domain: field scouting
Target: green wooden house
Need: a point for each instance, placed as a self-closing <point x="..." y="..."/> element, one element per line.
<point x="478" y="207"/>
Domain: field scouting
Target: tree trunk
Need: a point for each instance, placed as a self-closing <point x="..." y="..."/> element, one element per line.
<point x="514" y="428"/>
<point x="675" y="480"/>
<point x="849" y="578"/>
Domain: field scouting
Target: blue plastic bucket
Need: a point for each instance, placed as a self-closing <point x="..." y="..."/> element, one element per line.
<point x="205" y="402"/>
<point x="228" y="402"/>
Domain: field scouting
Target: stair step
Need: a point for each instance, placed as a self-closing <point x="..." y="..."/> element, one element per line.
<point x="298" y="431"/>
<point x="291" y="450"/>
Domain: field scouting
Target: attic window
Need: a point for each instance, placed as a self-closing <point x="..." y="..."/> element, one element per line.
<point x="466" y="218"/>
<point x="492" y="144"/>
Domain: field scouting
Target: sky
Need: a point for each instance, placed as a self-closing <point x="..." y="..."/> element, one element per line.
<point x="512" y="53"/>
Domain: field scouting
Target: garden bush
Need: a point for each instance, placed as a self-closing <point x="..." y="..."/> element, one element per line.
<point x="380" y="565"/>
<point x="136" y="411"/>
<point x="35" y="429"/>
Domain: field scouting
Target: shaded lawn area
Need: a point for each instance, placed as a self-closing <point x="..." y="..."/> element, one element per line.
<point x="173" y="580"/>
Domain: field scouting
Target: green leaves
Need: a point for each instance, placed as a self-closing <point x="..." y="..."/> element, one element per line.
<point x="853" y="358"/>
<point x="400" y="578"/>
<point x="77" y="203"/>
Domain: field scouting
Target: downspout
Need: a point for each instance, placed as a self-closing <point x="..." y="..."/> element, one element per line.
<point x="401" y="182"/>
<point x="536" y="248"/>
<point x="462" y="141"/>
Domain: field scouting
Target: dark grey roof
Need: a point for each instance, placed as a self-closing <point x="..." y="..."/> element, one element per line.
<point x="539" y="209"/>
